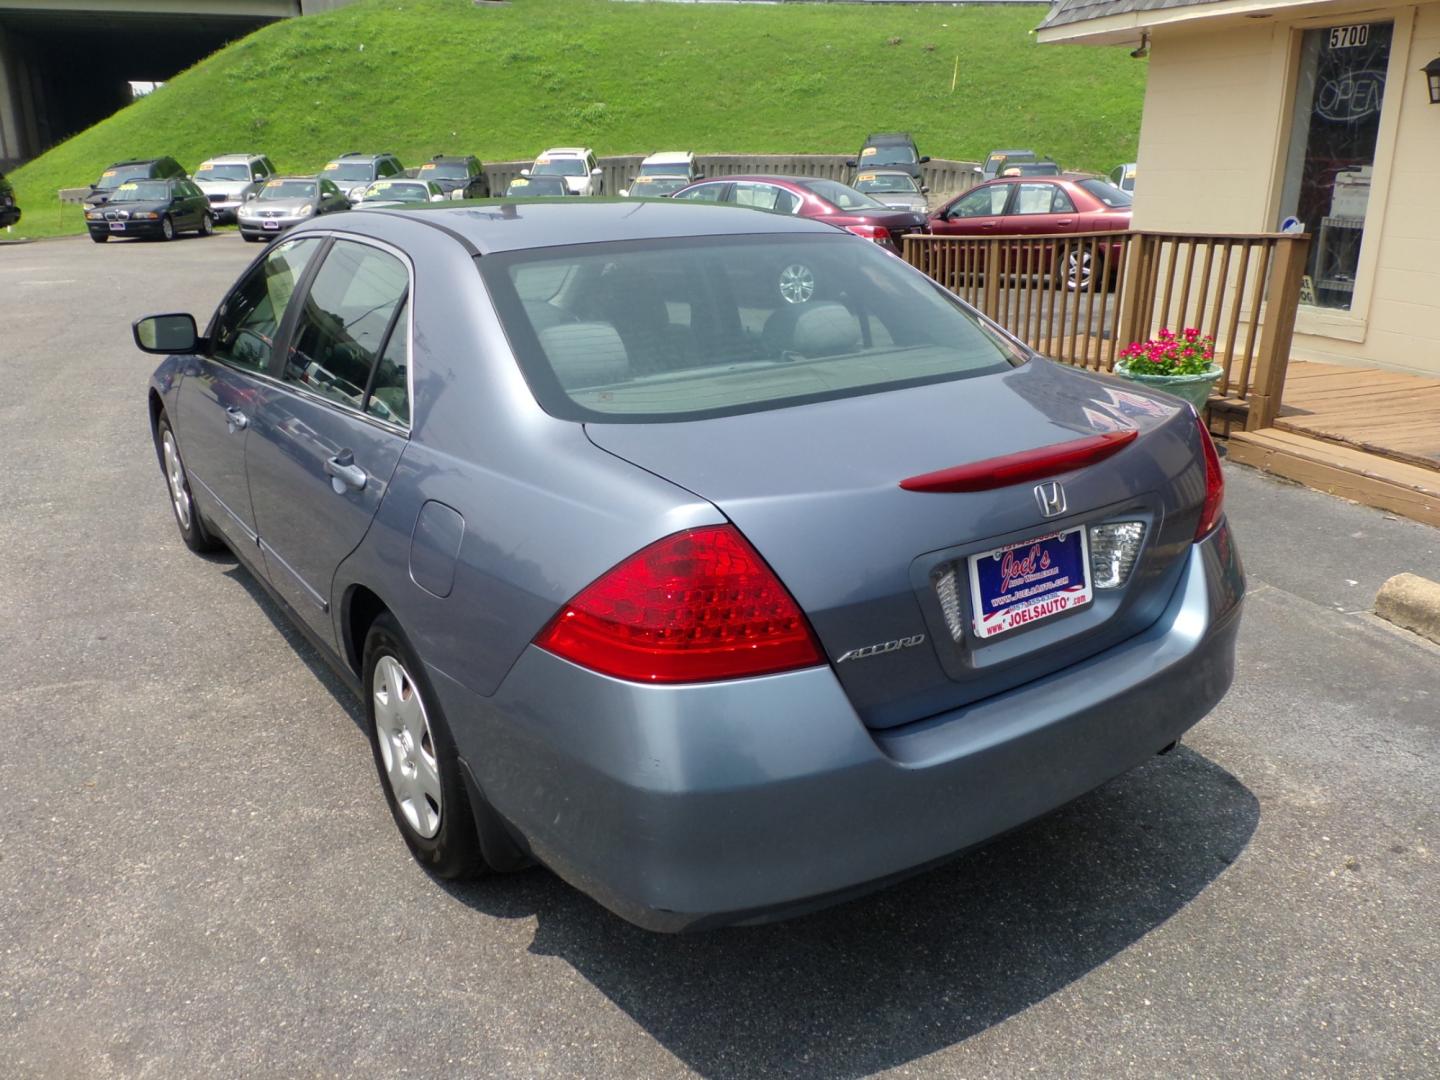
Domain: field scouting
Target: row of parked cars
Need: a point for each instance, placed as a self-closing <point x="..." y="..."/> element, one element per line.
<point x="1019" y="192"/>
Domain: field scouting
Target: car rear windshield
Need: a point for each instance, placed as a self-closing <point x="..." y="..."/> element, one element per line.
<point x="894" y="154"/>
<point x="288" y="189"/>
<point x="141" y="191"/>
<point x="350" y="170"/>
<point x="683" y="329"/>
<point x="886" y="182"/>
<point x="565" y="166"/>
<point x="837" y="194"/>
<point x="446" y="170"/>
<point x="657" y="185"/>
<point x="114" y="177"/>
<point x="1108" y="193"/>
<point x="397" y="191"/>
<point x="223" y="172"/>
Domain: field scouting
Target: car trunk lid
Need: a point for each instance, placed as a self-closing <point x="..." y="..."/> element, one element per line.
<point x="817" y="489"/>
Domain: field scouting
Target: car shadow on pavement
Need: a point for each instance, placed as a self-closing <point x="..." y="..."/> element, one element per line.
<point x="324" y="674"/>
<point x="891" y="977"/>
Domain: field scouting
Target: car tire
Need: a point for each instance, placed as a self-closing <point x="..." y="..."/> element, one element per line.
<point x="167" y="228"/>
<point x="415" y="757"/>
<point x="100" y="238"/>
<point x="187" y="515"/>
<point x="1077" y="271"/>
<point x="207" y="226"/>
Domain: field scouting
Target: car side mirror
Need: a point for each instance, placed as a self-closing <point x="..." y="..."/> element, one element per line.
<point x="524" y="172"/>
<point x="925" y="160"/>
<point x="597" y="173"/>
<point x="624" y="192"/>
<point x="924" y="190"/>
<point x="166" y="334"/>
<point x="849" y="164"/>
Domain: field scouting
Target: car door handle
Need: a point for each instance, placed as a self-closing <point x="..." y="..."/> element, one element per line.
<point x="344" y="473"/>
<point x="235" y="420"/>
<point x="1065" y="223"/>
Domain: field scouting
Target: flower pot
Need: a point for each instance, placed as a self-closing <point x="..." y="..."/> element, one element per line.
<point x="1193" y="388"/>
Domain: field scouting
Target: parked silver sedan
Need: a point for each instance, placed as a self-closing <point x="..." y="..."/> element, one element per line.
<point x="718" y="560"/>
<point x="286" y="201"/>
<point x="893" y="188"/>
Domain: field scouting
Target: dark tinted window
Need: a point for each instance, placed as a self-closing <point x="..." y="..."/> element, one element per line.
<point x="1108" y="194"/>
<point x="685" y="328"/>
<point x="837" y="194"/>
<point x="343" y="324"/>
<point x="243" y="332"/>
<point x="703" y="193"/>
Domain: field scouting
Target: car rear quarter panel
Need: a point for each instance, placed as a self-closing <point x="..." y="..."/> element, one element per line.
<point x="545" y="512"/>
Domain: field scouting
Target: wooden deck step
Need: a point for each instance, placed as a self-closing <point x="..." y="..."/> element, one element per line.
<point x="1404" y="489"/>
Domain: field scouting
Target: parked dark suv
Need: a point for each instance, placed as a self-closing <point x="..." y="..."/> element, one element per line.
<point x="9" y="212"/>
<point x="459" y="177"/>
<point x="352" y="173"/>
<point x="160" y="168"/>
<point x="892" y="150"/>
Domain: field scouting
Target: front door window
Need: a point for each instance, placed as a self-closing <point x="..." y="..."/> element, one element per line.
<point x="1338" y="101"/>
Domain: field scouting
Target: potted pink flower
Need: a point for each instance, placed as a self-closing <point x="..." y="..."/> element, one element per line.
<point x="1181" y="364"/>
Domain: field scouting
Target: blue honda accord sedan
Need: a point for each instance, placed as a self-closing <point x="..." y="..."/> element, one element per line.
<point x="717" y="560"/>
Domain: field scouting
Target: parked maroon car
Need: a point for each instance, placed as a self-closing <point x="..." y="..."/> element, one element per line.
<point x="805" y="196"/>
<point x="1038" y="206"/>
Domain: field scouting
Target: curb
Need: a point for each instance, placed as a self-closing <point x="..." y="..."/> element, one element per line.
<point x="1412" y="602"/>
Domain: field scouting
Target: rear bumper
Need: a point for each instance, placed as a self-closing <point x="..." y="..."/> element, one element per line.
<point x="686" y="807"/>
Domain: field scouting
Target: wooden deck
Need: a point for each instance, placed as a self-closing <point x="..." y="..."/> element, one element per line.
<point x="1359" y="433"/>
<point x="1387" y="413"/>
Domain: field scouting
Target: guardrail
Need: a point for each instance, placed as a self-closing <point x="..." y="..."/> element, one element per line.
<point x="1081" y="298"/>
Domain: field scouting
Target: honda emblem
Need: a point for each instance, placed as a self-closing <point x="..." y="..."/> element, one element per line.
<point x="1051" y="498"/>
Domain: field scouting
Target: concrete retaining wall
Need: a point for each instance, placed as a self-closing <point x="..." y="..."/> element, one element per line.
<point x="942" y="176"/>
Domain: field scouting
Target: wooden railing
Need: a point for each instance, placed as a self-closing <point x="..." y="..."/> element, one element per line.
<point x="1081" y="298"/>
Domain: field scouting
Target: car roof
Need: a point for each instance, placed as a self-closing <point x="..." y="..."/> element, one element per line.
<point x="234" y="157"/>
<point x="356" y="155"/>
<point x="454" y="157"/>
<point x="500" y="226"/>
<point x="665" y="157"/>
<point x="567" y="151"/>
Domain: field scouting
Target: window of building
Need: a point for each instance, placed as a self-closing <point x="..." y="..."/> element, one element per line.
<point x="1338" y="100"/>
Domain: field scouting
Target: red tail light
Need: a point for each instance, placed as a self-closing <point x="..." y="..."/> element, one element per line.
<point x="870" y="232"/>
<point x="1214" y="504"/>
<point x="697" y="606"/>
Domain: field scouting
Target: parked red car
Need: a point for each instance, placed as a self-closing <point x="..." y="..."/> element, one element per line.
<point x="805" y="196"/>
<point x="1038" y="206"/>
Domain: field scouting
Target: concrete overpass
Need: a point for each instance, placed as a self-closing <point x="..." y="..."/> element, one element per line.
<point x="65" y="64"/>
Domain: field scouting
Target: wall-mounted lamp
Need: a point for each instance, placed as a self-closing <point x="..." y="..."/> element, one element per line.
<point x="1144" y="49"/>
<point x="1432" y="76"/>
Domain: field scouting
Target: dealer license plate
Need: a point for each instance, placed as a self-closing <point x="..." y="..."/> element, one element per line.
<point x="270" y="224"/>
<point x="117" y="226"/>
<point x="1022" y="584"/>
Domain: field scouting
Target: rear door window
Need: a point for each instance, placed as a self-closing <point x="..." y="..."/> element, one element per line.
<point x="345" y="322"/>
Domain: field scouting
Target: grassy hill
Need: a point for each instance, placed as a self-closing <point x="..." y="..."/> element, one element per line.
<point x="419" y="77"/>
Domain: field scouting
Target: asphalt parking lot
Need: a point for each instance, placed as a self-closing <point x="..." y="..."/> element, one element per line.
<point x="199" y="875"/>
